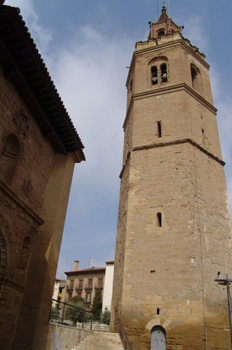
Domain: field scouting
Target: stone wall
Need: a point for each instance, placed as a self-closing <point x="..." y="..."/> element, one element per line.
<point x="174" y="229"/>
<point x="61" y="337"/>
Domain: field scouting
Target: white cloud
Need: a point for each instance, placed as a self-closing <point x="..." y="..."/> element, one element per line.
<point x="90" y="74"/>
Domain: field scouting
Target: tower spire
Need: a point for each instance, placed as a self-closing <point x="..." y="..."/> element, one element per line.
<point x="163" y="15"/>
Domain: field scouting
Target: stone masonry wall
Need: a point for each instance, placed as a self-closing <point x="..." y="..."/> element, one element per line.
<point x="33" y="170"/>
<point x="172" y="168"/>
<point x="173" y="267"/>
<point x="23" y="182"/>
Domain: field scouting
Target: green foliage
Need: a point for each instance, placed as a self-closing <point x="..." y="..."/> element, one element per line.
<point x="74" y="314"/>
<point x="54" y="312"/>
<point x="105" y="317"/>
<point x="97" y="306"/>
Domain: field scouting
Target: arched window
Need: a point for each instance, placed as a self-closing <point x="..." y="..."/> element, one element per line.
<point x="24" y="254"/>
<point x="158" y="68"/>
<point x="10" y="155"/>
<point x="158" y="338"/>
<point x="163" y="71"/>
<point x="154" y="77"/>
<point x="195" y="76"/>
<point x="161" y="32"/>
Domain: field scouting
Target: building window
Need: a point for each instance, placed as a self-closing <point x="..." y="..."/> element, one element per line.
<point x="88" y="297"/>
<point x="80" y="284"/>
<point x="161" y="32"/>
<point x="154" y="76"/>
<point x="158" y="70"/>
<point x="195" y="76"/>
<point x="9" y="159"/>
<point x="100" y="283"/>
<point x="159" y="131"/>
<point x="90" y="283"/>
<point x="163" y="70"/>
<point x="159" y="219"/>
<point x="71" y="284"/>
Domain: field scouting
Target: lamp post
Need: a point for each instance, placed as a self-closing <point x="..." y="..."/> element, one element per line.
<point x="226" y="282"/>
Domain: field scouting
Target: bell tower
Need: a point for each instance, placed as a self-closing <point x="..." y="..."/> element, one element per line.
<point x="174" y="229"/>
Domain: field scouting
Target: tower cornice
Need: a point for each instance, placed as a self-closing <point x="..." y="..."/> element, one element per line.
<point x="167" y="90"/>
<point x="170" y="143"/>
<point x="158" y="44"/>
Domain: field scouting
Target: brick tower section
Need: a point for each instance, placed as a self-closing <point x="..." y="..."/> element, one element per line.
<point x="174" y="229"/>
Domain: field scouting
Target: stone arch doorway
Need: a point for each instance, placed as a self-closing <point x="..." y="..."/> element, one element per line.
<point x="158" y="338"/>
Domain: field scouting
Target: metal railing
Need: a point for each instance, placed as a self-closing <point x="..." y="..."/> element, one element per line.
<point x="123" y="335"/>
<point x="64" y="313"/>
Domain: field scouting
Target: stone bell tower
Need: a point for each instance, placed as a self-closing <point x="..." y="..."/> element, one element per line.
<point x="174" y="229"/>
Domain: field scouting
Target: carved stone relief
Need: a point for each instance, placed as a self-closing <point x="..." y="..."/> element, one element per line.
<point x="17" y="209"/>
<point x="27" y="188"/>
<point x="21" y="122"/>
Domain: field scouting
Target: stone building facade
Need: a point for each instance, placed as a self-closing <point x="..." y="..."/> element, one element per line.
<point x="38" y="149"/>
<point x="174" y="228"/>
<point x="86" y="283"/>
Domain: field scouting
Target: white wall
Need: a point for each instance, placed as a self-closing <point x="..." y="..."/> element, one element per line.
<point x="108" y="287"/>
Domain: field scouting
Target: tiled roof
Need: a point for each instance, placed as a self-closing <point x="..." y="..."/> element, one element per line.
<point x="86" y="271"/>
<point x="23" y="64"/>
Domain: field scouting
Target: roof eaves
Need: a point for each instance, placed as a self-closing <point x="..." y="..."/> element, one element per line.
<point x="28" y="61"/>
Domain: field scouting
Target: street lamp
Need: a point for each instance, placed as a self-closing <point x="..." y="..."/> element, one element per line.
<point x="226" y="282"/>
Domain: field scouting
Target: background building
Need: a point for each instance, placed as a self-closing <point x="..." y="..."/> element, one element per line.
<point x="85" y="283"/>
<point x="58" y="291"/>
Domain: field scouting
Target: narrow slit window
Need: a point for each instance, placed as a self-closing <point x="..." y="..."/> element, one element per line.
<point x="195" y="75"/>
<point x="159" y="129"/>
<point x="159" y="219"/>
<point x="154" y="77"/>
<point x="164" y="76"/>
<point x="24" y="255"/>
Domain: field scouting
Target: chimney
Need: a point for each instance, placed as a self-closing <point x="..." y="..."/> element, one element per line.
<point x="76" y="265"/>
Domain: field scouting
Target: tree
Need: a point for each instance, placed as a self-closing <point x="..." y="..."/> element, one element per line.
<point x="105" y="317"/>
<point x="74" y="314"/>
<point x="97" y="306"/>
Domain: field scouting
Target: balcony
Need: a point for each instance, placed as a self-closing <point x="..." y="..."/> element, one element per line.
<point x="98" y="286"/>
<point x="78" y="288"/>
<point x="88" y="286"/>
<point x="69" y="288"/>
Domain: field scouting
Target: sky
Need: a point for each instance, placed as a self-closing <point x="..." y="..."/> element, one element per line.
<point x="87" y="46"/>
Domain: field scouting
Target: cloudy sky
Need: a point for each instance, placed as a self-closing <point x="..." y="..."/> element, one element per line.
<point x="87" y="45"/>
